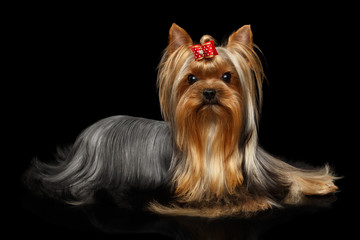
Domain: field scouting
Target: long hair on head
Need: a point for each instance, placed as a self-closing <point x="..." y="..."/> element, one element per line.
<point x="210" y="144"/>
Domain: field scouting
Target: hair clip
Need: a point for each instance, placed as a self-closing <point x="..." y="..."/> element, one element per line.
<point x="207" y="50"/>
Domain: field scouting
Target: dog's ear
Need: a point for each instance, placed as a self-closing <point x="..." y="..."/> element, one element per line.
<point x="178" y="37"/>
<point x="243" y="35"/>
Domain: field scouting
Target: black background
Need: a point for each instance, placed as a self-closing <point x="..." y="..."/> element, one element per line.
<point x="68" y="67"/>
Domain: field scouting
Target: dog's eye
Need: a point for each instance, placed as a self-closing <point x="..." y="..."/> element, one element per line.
<point x="226" y="77"/>
<point x="192" y="79"/>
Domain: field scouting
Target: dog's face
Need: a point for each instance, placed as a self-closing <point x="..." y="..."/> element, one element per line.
<point x="209" y="86"/>
<point x="198" y="94"/>
<point x="208" y="94"/>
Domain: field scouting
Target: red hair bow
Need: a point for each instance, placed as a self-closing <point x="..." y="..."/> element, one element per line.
<point x="207" y="50"/>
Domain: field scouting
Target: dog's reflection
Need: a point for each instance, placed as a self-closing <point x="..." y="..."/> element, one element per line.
<point x="108" y="218"/>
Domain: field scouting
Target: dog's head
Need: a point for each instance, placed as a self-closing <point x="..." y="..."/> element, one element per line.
<point x="224" y="89"/>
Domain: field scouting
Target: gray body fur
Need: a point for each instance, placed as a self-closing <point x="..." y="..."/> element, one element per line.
<point x="114" y="154"/>
<point x="122" y="153"/>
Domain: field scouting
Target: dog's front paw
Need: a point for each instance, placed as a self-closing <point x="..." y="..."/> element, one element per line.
<point x="327" y="188"/>
<point x="320" y="188"/>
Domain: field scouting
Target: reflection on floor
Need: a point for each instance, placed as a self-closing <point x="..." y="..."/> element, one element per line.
<point x="107" y="218"/>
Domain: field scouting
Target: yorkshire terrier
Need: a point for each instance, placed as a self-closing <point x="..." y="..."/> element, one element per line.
<point x="206" y="151"/>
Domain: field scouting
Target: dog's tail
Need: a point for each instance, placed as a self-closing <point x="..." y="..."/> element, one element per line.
<point x="74" y="174"/>
<point x="113" y="154"/>
<point x="56" y="179"/>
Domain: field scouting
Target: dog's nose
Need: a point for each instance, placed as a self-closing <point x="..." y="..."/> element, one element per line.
<point x="209" y="94"/>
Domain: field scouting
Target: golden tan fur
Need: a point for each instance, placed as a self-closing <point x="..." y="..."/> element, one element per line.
<point x="218" y="168"/>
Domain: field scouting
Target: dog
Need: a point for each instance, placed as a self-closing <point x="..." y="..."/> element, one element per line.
<point x="205" y="153"/>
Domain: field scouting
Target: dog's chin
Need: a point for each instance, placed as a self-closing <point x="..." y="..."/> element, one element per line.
<point x="210" y="106"/>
